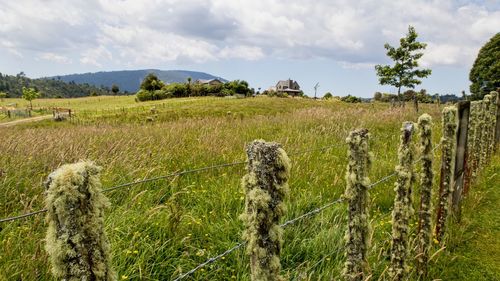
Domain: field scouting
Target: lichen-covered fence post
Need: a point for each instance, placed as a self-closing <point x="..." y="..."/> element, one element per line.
<point x="447" y="168"/>
<point x="426" y="178"/>
<point x="75" y="240"/>
<point x="479" y="137"/>
<point x="402" y="205"/>
<point x="472" y="142"/>
<point x="493" y="118"/>
<point x="463" y="111"/>
<point x="356" y="193"/>
<point x="497" y="125"/>
<point x="265" y="185"/>
<point x="486" y="135"/>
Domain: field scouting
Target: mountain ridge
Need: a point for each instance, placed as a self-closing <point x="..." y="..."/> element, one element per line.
<point x="130" y="80"/>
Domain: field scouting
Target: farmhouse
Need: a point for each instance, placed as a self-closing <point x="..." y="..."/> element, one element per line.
<point x="211" y="82"/>
<point x="289" y="87"/>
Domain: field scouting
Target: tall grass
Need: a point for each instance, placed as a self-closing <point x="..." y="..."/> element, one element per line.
<point x="160" y="229"/>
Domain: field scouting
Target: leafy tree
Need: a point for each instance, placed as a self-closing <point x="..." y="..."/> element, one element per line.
<point x="151" y="83"/>
<point x="485" y="72"/>
<point x="327" y="96"/>
<point x="2" y="95"/>
<point x="377" y="96"/>
<point x="115" y="89"/>
<point x="405" y="57"/>
<point x="30" y="94"/>
<point x="351" y="99"/>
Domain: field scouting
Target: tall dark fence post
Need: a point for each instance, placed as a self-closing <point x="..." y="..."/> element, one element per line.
<point x="447" y="168"/>
<point x="463" y="110"/>
<point x="402" y="205"/>
<point x="265" y="185"/>
<point x="75" y="240"/>
<point x="358" y="228"/>
<point x="497" y="127"/>
<point x="426" y="178"/>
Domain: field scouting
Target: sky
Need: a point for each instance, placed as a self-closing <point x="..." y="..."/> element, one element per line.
<point x="335" y="43"/>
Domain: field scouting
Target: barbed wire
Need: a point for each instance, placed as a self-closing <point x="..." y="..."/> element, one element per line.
<point x="129" y="184"/>
<point x="287" y="223"/>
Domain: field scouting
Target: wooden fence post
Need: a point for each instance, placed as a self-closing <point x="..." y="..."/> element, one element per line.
<point x="497" y="127"/>
<point x="265" y="185"/>
<point x="426" y="179"/>
<point x="447" y="169"/>
<point x="493" y="120"/>
<point x="487" y="131"/>
<point x="402" y="205"/>
<point x="358" y="229"/>
<point x="463" y="110"/>
<point x="75" y="239"/>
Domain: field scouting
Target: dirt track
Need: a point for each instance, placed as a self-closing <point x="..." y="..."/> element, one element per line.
<point x="26" y="120"/>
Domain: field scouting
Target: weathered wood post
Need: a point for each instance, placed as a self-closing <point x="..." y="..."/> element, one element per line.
<point x="69" y="113"/>
<point x="497" y="126"/>
<point x="8" y="114"/>
<point x="447" y="168"/>
<point x="402" y="205"/>
<point x="358" y="229"/>
<point x="463" y="110"/>
<point x="487" y="131"/>
<point x="493" y="117"/>
<point x="426" y="178"/>
<point x="265" y="185"/>
<point x="75" y="240"/>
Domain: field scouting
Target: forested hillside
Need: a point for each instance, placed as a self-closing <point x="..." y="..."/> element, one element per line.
<point x="48" y="87"/>
<point x="129" y="80"/>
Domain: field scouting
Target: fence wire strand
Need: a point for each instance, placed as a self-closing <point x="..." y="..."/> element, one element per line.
<point x="289" y="222"/>
<point x="129" y="184"/>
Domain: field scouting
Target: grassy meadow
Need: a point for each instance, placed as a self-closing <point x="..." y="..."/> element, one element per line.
<point x="160" y="229"/>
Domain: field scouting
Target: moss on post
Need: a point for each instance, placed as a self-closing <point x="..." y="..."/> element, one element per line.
<point x="447" y="168"/>
<point x="492" y="122"/>
<point x="356" y="193"/>
<point x="75" y="240"/>
<point x="473" y="142"/>
<point x="265" y="185"/>
<point x="426" y="178"/>
<point x="402" y="205"/>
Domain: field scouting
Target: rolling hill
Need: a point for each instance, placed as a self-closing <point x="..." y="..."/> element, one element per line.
<point x="129" y="80"/>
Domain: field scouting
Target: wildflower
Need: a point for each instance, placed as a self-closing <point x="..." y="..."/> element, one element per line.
<point x="124" y="277"/>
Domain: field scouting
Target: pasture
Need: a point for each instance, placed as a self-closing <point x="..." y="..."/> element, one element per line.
<point x="162" y="228"/>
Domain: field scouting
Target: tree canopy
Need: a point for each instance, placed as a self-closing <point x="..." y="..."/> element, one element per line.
<point x="404" y="73"/>
<point x="485" y="73"/>
<point x="30" y="94"/>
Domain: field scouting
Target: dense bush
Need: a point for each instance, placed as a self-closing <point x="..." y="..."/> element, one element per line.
<point x="351" y="99"/>
<point x="154" y="89"/>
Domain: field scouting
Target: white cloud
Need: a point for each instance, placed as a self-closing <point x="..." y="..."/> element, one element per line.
<point x="55" y="58"/>
<point x="96" y="56"/>
<point x="133" y="33"/>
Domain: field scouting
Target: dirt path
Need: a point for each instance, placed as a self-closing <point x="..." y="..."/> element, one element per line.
<point x="25" y="120"/>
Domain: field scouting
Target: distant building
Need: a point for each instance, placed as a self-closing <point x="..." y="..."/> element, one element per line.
<point x="289" y="87"/>
<point x="211" y="82"/>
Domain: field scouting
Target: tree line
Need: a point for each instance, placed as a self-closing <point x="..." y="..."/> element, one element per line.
<point x="152" y="88"/>
<point x="12" y="87"/>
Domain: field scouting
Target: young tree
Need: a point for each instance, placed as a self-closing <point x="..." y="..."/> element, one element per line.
<point x="405" y="57"/>
<point x="485" y="73"/>
<point x="30" y="94"/>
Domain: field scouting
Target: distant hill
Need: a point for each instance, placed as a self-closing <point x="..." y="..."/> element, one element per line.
<point x="129" y="80"/>
<point x="48" y="88"/>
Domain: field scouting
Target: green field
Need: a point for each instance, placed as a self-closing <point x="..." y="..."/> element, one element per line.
<point x="160" y="229"/>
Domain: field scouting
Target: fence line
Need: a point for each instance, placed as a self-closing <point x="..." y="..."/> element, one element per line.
<point x="285" y="224"/>
<point x="175" y="174"/>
